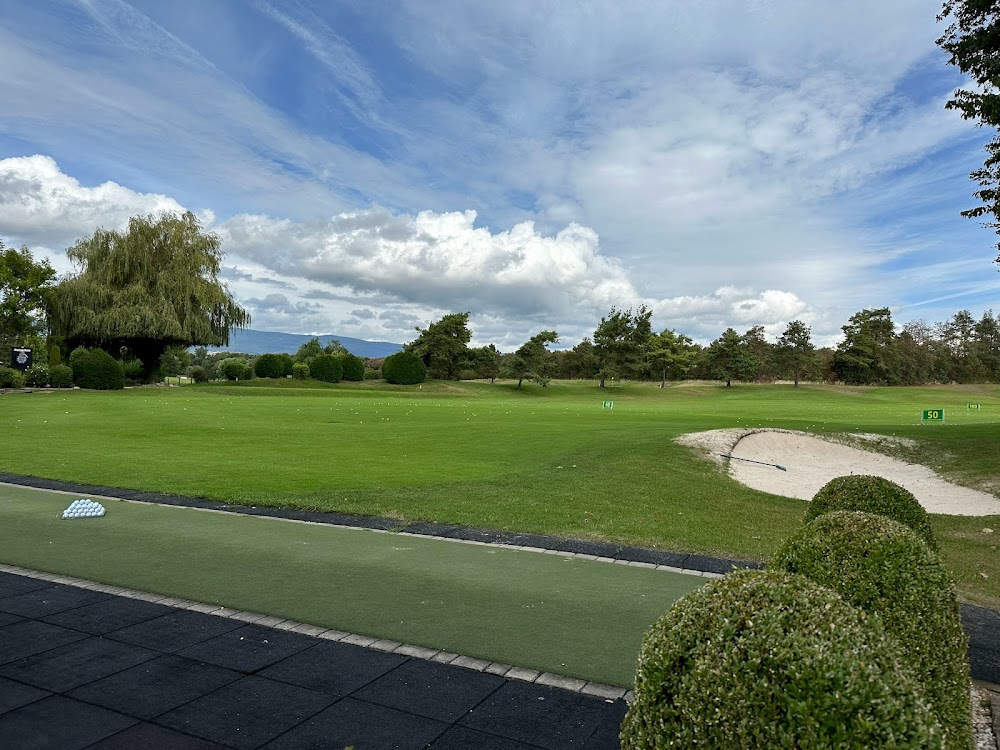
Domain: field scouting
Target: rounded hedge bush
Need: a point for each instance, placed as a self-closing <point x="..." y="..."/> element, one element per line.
<point x="767" y="659"/>
<point x="327" y="368"/>
<point x="883" y="567"/>
<point x="354" y="367"/>
<point x="872" y="495"/>
<point x="199" y="374"/>
<point x="234" y="369"/>
<point x="97" y="370"/>
<point x="300" y="371"/>
<point x="60" y="376"/>
<point x="133" y="371"/>
<point x="11" y="378"/>
<point x="269" y="366"/>
<point x="404" y="368"/>
<point x="373" y="374"/>
<point x="37" y="376"/>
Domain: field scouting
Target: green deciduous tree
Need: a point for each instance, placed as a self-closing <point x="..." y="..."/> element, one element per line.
<point x="530" y="361"/>
<point x="485" y="361"/>
<point x="673" y="354"/>
<point x="620" y="342"/>
<point x="795" y="353"/>
<point x="971" y="41"/>
<point x="153" y="286"/>
<point x="25" y="286"/>
<point x="443" y="345"/>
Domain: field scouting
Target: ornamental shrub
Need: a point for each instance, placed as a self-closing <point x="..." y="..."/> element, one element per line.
<point x="767" y="659"/>
<point x="404" y="368"/>
<point x="96" y="369"/>
<point x="373" y="374"/>
<point x="37" y="376"/>
<point x="234" y="369"/>
<point x="327" y="368"/>
<point x="61" y="376"/>
<point x="883" y="568"/>
<point x="11" y="378"/>
<point x="199" y="374"/>
<point x="133" y="371"/>
<point x="870" y="494"/>
<point x="300" y="371"/>
<point x="269" y="366"/>
<point x="354" y="367"/>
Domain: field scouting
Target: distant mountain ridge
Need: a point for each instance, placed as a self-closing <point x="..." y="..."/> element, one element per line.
<point x="264" y="342"/>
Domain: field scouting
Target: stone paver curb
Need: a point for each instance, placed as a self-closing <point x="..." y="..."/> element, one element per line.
<point x="566" y="683"/>
<point x="470" y="662"/>
<point x="523" y="673"/>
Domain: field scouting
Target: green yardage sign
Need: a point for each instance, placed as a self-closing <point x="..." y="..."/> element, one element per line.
<point x="932" y="415"/>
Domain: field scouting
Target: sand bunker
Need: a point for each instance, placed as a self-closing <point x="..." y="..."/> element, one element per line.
<point x="811" y="462"/>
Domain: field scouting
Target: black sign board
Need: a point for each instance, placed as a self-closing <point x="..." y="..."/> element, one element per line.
<point x="20" y="359"/>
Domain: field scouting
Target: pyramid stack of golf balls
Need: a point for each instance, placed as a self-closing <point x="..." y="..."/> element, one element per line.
<point x="83" y="509"/>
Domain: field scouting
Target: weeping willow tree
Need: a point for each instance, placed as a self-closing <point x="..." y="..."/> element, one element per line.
<point x="150" y="287"/>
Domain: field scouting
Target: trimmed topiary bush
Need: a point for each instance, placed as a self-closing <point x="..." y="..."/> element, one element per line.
<point x="354" y="367"/>
<point x="404" y="368"/>
<point x="269" y="366"/>
<point x="61" y="376"/>
<point x="767" y="659"/>
<point x="327" y="368"/>
<point x="883" y="567"/>
<point x="199" y="374"/>
<point x="300" y="371"/>
<point x="97" y="370"/>
<point x="37" y="376"/>
<point x="872" y="495"/>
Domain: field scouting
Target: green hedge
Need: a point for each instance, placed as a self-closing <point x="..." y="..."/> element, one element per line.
<point x="97" y="370"/>
<point x="872" y="495"/>
<point x="767" y="659"/>
<point x="269" y="366"/>
<point x="404" y="368"/>
<point x="11" y="378"/>
<point x="883" y="567"/>
<point x="60" y="376"/>
<point x="37" y="376"/>
<point x="327" y="368"/>
<point x="199" y="374"/>
<point x="354" y="367"/>
<point x="234" y="369"/>
<point x="300" y="371"/>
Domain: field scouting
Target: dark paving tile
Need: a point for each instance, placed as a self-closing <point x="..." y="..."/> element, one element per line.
<point x="76" y="664"/>
<point x="983" y="628"/>
<point x="363" y="725"/>
<point x="179" y="629"/>
<point x="430" y="529"/>
<point x="606" y="736"/>
<point x="6" y="618"/>
<point x="584" y="547"/>
<point x="50" y="600"/>
<point x="108" y="615"/>
<point x="654" y="556"/>
<point x="540" y="715"/>
<point x="711" y="564"/>
<point x="29" y="637"/>
<point x="247" y="713"/>
<point x="156" y="686"/>
<point x="249" y="648"/>
<point x="12" y="585"/>
<point x="14" y="695"/>
<point x="58" y="723"/>
<point x="461" y="738"/>
<point x="336" y="668"/>
<point x="436" y="691"/>
<point x="147" y="736"/>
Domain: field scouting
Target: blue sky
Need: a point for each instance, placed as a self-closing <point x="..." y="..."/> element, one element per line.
<point x="372" y="166"/>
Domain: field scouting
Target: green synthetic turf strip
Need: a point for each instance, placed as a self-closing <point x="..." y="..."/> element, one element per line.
<point x="556" y="614"/>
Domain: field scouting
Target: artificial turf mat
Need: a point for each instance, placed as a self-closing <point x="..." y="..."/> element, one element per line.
<point x="557" y="614"/>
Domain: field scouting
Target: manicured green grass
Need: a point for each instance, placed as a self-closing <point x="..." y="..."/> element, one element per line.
<point x="575" y="617"/>
<point x="541" y="460"/>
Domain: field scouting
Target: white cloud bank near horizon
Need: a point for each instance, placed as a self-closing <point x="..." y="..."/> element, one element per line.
<point x="375" y="274"/>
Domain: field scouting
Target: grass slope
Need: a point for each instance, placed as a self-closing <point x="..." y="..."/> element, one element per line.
<point x="541" y="460"/>
<point x="575" y="617"/>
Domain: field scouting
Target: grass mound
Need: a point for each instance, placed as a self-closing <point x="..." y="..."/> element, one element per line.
<point x="766" y="659"/>
<point x="883" y="567"/>
<point x="872" y="495"/>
